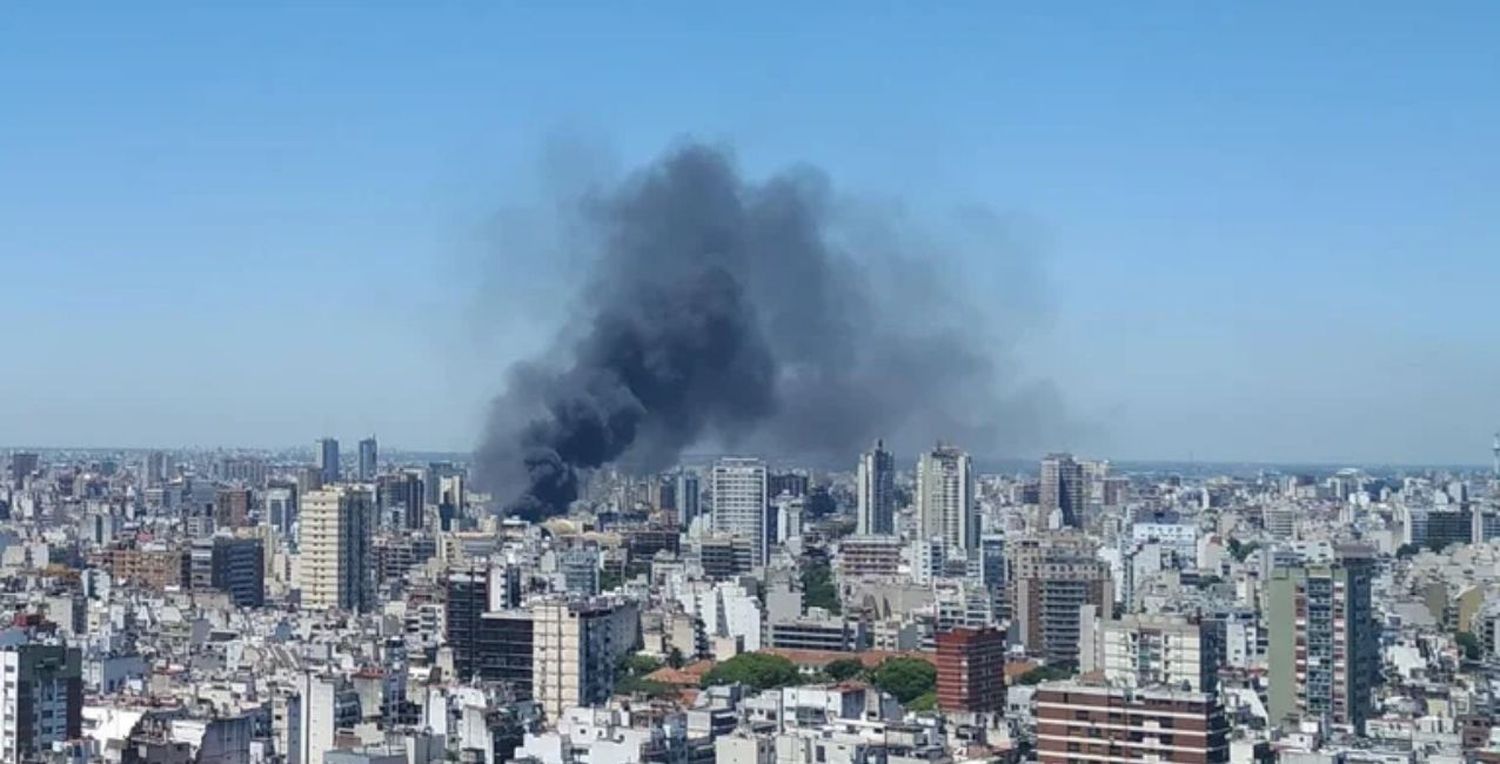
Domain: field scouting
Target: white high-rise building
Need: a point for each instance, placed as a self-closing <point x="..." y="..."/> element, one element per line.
<point x="946" y="502"/>
<point x="317" y="704"/>
<point x="335" y="567"/>
<point x="877" y="492"/>
<point x="1145" y="650"/>
<point x="740" y="502"/>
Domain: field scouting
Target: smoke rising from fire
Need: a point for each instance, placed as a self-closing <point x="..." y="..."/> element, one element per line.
<point x="768" y="315"/>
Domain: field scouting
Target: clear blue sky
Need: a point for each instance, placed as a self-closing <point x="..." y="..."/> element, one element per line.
<point x="1271" y="230"/>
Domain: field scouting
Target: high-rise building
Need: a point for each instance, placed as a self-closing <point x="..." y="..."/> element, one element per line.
<point x="1324" y="653"/>
<point x="1051" y="579"/>
<point x="740" y="502"/>
<point x="335" y="536"/>
<point x="324" y="707"/>
<point x="687" y="497"/>
<point x="235" y="566"/>
<point x="1063" y="489"/>
<point x="1145" y="650"/>
<point x="327" y="450"/>
<point x="876" y="492"/>
<point x="433" y="479"/>
<point x="1117" y="725"/>
<point x="400" y="496"/>
<point x="41" y="699"/>
<point x="468" y="598"/>
<point x="22" y="465"/>
<point x="868" y="556"/>
<point x="579" y="565"/>
<point x="281" y="510"/>
<point x="971" y="670"/>
<point x="369" y="459"/>
<point x="788" y="484"/>
<point x="231" y="507"/>
<point x="247" y="470"/>
<point x="155" y="469"/>
<point x="1495" y="449"/>
<point x="503" y="651"/>
<point x="576" y="647"/>
<point x="946" y="502"/>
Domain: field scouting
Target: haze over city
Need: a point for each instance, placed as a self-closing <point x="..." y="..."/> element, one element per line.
<point x="1263" y="232"/>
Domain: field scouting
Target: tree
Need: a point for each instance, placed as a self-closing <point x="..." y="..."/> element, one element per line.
<point x="818" y="589"/>
<point x="630" y="677"/>
<point x="758" y="670"/>
<point x="1045" y="674"/>
<point x="905" y="678"/>
<point x="844" y="668"/>
<point x="1408" y="550"/>
<point x="640" y="664"/>
<point x="927" y="701"/>
<point x="1470" y="644"/>
<point x="1436" y="545"/>
<point x="1240" y="551"/>
<point x="675" y="659"/>
<point x="634" y="685"/>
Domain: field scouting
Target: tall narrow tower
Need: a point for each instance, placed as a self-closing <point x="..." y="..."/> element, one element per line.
<point x="1496" y="450"/>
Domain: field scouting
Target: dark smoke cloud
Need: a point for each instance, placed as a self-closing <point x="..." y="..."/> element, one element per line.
<point x="760" y="314"/>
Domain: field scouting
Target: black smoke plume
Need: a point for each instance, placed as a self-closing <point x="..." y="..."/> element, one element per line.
<point x="719" y="310"/>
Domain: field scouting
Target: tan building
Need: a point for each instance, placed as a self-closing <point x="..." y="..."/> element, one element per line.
<point x="335" y="567"/>
<point x="153" y="567"/>
<point x="1052" y="578"/>
<point x="575" y="648"/>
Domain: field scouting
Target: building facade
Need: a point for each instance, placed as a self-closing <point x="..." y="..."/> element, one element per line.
<point x="369" y="459"/>
<point x="1324" y="654"/>
<point x="1078" y="722"/>
<point x="336" y="570"/>
<point x="576" y="646"/>
<point x="946" y="502"/>
<point x="876" y="492"/>
<point x="740" y="503"/>
<point x="327" y="451"/>
<point x="41" y="699"/>
<point x="971" y="670"/>
<point x="1063" y="489"/>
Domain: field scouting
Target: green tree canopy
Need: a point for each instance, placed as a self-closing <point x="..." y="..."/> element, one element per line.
<point x="818" y="589"/>
<point x="1240" y="551"/>
<point x="757" y="670"/>
<point x="1470" y="644"/>
<point x="927" y="701"/>
<point x="844" y="668"/>
<point x="1045" y="674"/>
<point x="640" y="664"/>
<point x="905" y="678"/>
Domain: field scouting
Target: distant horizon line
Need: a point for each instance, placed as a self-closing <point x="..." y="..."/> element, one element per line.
<point x="700" y="456"/>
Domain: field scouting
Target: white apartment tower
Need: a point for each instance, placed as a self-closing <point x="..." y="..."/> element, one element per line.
<point x="946" y="499"/>
<point x="335" y="567"/>
<point x="877" y="492"/>
<point x="740" y="502"/>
